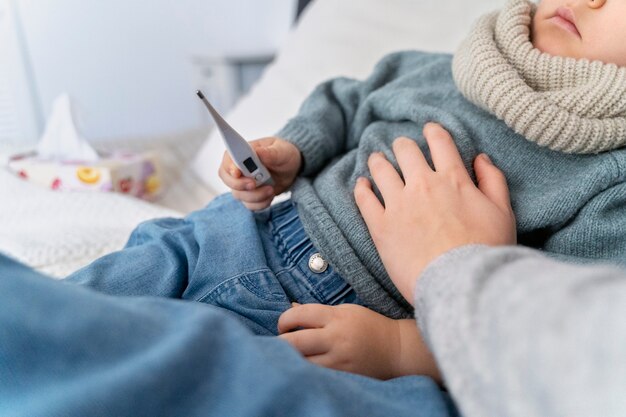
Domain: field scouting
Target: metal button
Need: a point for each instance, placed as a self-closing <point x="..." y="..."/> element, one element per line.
<point x="317" y="264"/>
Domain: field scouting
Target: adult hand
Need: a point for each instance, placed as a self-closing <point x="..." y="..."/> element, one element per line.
<point x="432" y="212"/>
<point x="352" y="338"/>
<point x="281" y="158"/>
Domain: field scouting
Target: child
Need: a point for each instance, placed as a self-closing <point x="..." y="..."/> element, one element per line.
<point x="554" y="123"/>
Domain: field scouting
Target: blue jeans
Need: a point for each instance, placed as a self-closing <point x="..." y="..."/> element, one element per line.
<point x="254" y="265"/>
<point x="66" y="350"/>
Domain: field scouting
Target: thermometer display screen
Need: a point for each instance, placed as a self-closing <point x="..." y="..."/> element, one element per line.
<point x="250" y="165"/>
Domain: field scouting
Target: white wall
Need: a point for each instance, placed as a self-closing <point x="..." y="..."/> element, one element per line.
<point x="127" y="62"/>
<point x="20" y="119"/>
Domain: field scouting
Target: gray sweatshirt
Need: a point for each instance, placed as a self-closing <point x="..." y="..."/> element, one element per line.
<point x="518" y="334"/>
<point x="571" y="206"/>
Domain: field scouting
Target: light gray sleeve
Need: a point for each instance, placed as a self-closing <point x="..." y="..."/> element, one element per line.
<point x="518" y="334"/>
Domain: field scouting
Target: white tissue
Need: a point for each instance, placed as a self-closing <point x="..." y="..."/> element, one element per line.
<point x="61" y="140"/>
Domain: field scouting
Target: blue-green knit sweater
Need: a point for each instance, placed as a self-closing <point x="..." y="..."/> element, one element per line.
<point x="568" y="205"/>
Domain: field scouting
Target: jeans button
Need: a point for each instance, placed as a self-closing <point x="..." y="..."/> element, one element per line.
<point x="317" y="264"/>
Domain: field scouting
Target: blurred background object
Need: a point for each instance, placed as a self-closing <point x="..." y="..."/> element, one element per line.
<point x="131" y="67"/>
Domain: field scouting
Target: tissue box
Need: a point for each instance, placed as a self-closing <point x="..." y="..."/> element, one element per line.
<point x="129" y="173"/>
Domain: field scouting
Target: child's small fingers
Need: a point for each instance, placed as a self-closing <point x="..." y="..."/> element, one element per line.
<point x="258" y="206"/>
<point x="309" y="342"/>
<point x="257" y="196"/>
<point x="325" y="360"/>
<point x="229" y="166"/>
<point x="307" y="316"/>
<point x="238" y="184"/>
<point x="232" y="170"/>
<point x="268" y="154"/>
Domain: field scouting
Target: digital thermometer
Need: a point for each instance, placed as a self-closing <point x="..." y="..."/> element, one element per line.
<point x="239" y="149"/>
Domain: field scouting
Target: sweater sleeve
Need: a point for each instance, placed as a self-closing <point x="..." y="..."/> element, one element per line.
<point x="321" y="128"/>
<point x="327" y="123"/>
<point x="518" y="334"/>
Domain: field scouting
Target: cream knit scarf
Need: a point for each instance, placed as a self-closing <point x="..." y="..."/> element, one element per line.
<point x="565" y="104"/>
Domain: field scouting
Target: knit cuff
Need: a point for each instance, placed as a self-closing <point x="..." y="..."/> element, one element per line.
<point x="309" y="144"/>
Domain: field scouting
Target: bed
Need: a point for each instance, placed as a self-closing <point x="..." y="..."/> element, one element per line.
<point x="58" y="233"/>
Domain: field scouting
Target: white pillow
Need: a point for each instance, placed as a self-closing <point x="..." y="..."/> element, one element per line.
<point x="339" y="38"/>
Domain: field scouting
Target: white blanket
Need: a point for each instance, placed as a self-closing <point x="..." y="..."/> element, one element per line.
<point x="58" y="232"/>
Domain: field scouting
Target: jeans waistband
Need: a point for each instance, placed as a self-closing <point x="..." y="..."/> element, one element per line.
<point x="296" y="248"/>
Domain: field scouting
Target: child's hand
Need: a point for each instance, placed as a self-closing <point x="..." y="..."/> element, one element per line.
<point x="355" y="339"/>
<point x="281" y="158"/>
<point x="435" y="211"/>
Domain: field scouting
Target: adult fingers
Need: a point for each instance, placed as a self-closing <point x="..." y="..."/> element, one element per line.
<point x="305" y="315"/>
<point x="410" y="158"/>
<point x="492" y="182"/>
<point x="370" y="207"/>
<point x="385" y="175"/>
<point x="443" y="150"/>
<point x="308" y="342"/>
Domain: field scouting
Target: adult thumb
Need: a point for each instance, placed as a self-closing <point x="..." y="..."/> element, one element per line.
<point x="491" y="182"/>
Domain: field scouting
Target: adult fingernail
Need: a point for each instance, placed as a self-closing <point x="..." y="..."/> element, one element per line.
<point x="250" y="186"/>
<point x="294" y="304"/>
<point x="486" y="158"/>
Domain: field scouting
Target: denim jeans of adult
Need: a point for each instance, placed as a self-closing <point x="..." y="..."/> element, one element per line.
<point x="253" y="265"/>
<point x="66" y="350"/>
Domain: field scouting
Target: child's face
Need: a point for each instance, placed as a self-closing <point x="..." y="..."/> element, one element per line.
<point x="597" y="30"/>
